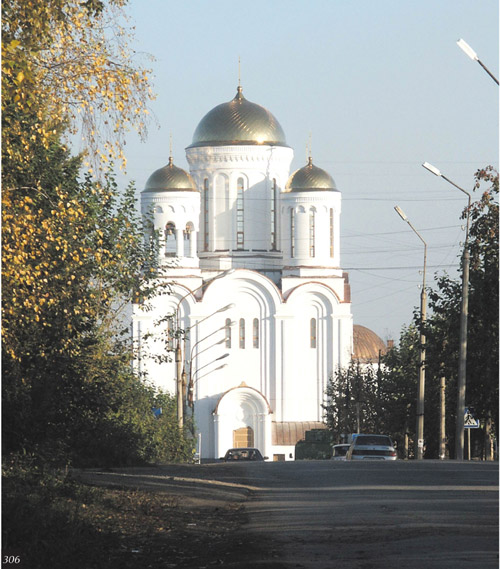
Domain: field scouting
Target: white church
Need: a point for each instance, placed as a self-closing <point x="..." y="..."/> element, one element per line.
<point x="252" y="256"/>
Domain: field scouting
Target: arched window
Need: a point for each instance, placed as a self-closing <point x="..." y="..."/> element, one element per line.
<point x="205" y="214"/>
<point x="189" y="240"/>
<point x="228" y="332"/>
<point x="255" y="335"/>
<point x="242" y="333"/>
<point x="292" y="233"/>
<point x="274" y="214"/>
<point x="312" y="231"/>
<point x="331" y="232"/>
<point x="313" y="332"/>
<point x="240" y="215"/>
<point x="170" y="240"/>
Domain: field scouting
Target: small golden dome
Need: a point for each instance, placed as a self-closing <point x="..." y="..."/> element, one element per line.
<point x="310" y="178"/>
<point x="367" y="345"/>
<point x="238" y="122"/>
<point x="170" y="178"/>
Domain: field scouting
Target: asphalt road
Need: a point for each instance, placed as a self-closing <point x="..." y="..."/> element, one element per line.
<point x="346" y="515"/>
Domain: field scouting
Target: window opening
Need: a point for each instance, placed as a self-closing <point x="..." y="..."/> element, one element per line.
<point x="255" y="332"/>
<point x="228" y="332"/>
<point x="313" y="332"/>
<point x="205" y="214"/>
<point x="331" y="232"/>
<point x="312" y="230"/>
<point x="240" y="215"/>
<point x="242" y="333"/>
<point x="170" y="240"/>
<point x="274" y="213"/>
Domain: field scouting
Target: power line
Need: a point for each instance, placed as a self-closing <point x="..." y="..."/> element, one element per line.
<point x="396" y="268"/>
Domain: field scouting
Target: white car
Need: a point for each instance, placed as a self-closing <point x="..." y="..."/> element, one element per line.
<point x="372" y="447"/>
<point x="339" y="451"/>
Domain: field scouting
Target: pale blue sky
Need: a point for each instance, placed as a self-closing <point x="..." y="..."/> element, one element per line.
<point x="380" y="85"/>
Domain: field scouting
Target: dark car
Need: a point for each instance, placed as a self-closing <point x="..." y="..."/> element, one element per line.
<point x="236" y="454"/>
<point x="372" y="447"/>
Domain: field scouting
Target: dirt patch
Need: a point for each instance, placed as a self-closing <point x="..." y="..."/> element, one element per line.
<point x="176" y="517"/>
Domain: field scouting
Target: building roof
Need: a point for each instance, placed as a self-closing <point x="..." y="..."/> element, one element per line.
<point x="238" y="122"/>
<point x="310" y="178"/>
<point x="170" y="178"/>
<point x="367" y="345"/>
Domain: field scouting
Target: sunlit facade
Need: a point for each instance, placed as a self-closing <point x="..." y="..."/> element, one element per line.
<point x="253" y="259"/>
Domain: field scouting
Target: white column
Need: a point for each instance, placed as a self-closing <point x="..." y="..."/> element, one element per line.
<point x="179" y="242"/>
<point x="216" y="436"/>
<point x="192" y="243"/>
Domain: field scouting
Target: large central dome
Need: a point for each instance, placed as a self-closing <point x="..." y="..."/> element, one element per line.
<point x="238" y="122"/>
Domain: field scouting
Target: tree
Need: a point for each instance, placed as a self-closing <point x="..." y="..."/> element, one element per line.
<point x="72" y="260"/>
<point x="73" y="250"/>
<point x="352" y="401"/>
<point x="445" y="302"/>
<point x="66" y="62"/>
<point x="398" y="389"/>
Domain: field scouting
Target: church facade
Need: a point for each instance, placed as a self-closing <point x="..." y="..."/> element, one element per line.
<point x="252" y="257"/>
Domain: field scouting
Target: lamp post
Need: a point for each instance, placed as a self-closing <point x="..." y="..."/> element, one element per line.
<point x="466" y="48"/>
<point x="192" y="381"/>
<point x="178" y="349"/>
<point x="419" y="451"/>
<point x="191" y="374"/>
<point x="462" y="363"/>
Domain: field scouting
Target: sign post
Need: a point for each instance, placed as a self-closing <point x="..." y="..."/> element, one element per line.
<point x="470" y="422"/>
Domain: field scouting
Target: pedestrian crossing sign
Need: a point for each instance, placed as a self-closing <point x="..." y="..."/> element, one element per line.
<point x="470" y="422"/>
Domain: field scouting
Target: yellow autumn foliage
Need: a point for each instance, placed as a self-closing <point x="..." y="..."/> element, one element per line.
<point x="68" y="62"/>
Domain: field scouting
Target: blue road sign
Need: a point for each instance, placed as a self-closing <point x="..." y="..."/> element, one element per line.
<point x="470" y="422"/>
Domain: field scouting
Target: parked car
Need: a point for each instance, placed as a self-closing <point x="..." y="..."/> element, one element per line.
<point x="372" y="447"/>
<point x="234" y="454"/>
<point x="340" y="451"/>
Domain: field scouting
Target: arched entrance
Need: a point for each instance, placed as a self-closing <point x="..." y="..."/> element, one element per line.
<point x="242" y="418"/>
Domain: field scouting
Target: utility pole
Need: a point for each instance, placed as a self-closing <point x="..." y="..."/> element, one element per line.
<point x="180" y="402"/>
<point x="419" y="450"/>
<point x="442" y="419"/>
<point x="462" y="363"/>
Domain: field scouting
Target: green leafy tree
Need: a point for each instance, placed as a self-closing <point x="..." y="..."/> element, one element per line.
<point x="352" y="401"/>
<point x="73" y="254"/>
<point x="398" y="390"/>
<point x="482" y="333"/>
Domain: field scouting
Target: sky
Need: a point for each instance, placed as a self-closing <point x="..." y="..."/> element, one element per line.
<point x="375" y="87"/>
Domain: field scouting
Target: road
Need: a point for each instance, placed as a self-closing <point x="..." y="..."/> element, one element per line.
<point x="352" y="515"/>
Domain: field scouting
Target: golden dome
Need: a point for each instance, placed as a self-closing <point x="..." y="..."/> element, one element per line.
<point x="367" y="345"/>
<point x="238" y="122"/>
<point x="170" y="178"/>
<point x="310" y="178"/>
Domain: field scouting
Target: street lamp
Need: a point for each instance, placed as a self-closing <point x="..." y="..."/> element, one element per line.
<point x="191" y="374"/>
<point x="466" y="48"/>
<point x="192" y="381"/>
<point x="462" y="363"/>
<point x="419" y="453"/>
<point x="178" y="350"/>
